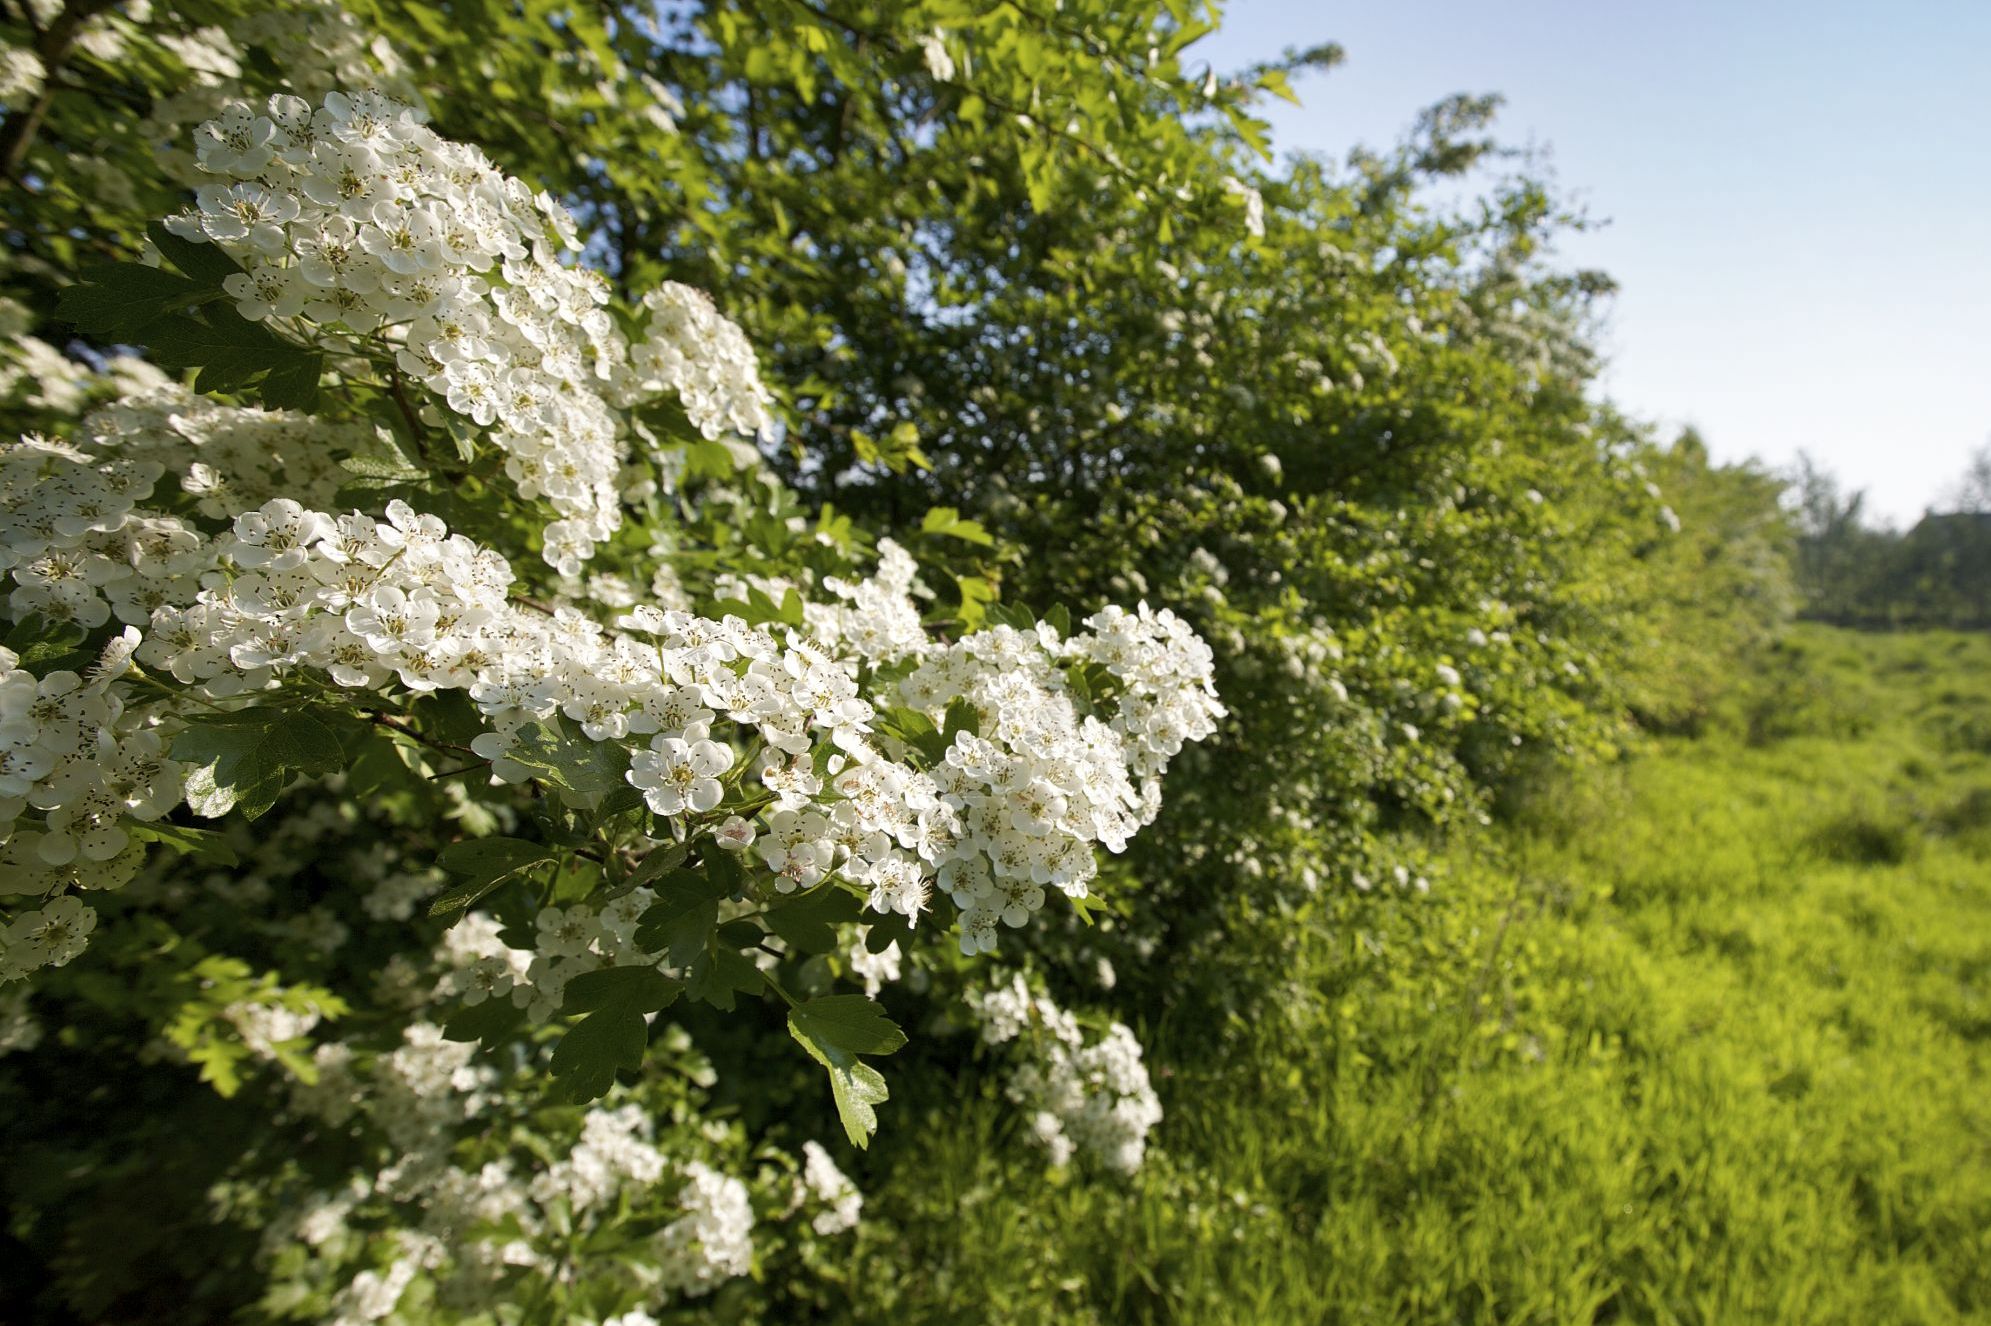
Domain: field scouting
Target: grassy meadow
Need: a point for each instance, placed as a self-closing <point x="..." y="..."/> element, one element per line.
<point x="1697" y="1038"/>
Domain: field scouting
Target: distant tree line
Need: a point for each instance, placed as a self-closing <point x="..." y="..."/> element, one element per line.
<point x="1853" y="573"/>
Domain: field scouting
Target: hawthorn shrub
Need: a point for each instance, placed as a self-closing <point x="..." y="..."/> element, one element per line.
<point x="569" y="574"/>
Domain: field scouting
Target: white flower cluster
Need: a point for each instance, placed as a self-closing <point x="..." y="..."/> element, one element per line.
<point x="705" y="360"/>
<point x="264" y="1026"/>
<point x="35" y="374"/>
<point x="933" y="50"/>
<point x="1092" y="1098"/>
<point x="21" y="78"/>
<point x="68" y="750"/>
<point x="373" y="602"/>
<point x="876" y="970"/>
<point x="843" y="1204"/>
<point x="713" y="1240"/>
<point x="614" y="1149"/>
<point x="356" y="216"/>
<point x="875" y="618"/>
<point x="47" y="936"/>
<point x="473" y="1228"/>
<point x="1040" y="783"/>
<point x="318" y="44"/>
<point x="226" y="458"/>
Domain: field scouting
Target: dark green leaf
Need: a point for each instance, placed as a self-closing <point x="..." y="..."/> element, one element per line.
<point x="483" y="856"/>
<point x="293" y="385"/>
<point x="661" y="860"/>
<point x="808" y="921"/>
<point x="450" y="716"/>
<point x="887" y="930"/>
<point x="613" y="1035"/>
<point x="118" y="299"/>
<point x="377" y="768"/>
<point x="594" y="1049"/>
<point x="489" y="1022"/>
<point x="230" y="353"/>
<point x="45" y="645"/>
<point x="205" y="263"/>
<point x="961" y="717"/>
<point x="680" y="925"/>
<point x="202" y="844"/>
<point x="849" y="1022"/>
<point x="481" y="864"/>
<point x="718" y="973"/>
<point x="243" y="759"/>
<point x="643" y="989"/>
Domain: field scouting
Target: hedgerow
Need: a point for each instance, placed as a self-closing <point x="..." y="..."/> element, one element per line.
<point x="571" y="575"/>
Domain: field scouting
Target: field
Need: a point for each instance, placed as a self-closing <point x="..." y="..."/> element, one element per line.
<point x="1697" y="1038"/>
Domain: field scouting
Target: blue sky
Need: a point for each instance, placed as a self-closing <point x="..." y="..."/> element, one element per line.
<point x="1798" y="197"/>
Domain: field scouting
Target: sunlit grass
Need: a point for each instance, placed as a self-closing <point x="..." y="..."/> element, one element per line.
<point x="1698" y="1038"/>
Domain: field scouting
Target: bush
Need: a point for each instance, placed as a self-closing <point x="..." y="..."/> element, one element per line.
<point x="479" y="751"/>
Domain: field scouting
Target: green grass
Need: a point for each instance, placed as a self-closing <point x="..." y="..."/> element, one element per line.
<point x="1699" y="1038"/>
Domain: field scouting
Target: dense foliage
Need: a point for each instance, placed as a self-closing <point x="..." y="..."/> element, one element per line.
<point x="1855" y="573"/>
<point x="561" y="589"/>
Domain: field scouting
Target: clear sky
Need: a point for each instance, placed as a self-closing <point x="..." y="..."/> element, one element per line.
<point x="1798" y="197"/>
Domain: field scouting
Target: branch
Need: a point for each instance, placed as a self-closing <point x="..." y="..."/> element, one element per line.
<point x="52" y="46"/>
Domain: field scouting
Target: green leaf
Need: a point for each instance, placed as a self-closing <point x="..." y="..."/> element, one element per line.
<point x="719" y="973"/>
<point x="567" y="760"/>
<point x="757" y="609"/>
<point x="659" y="862"/>
<point x="488" y="1022"/>
<point x="479" y="856"/>
<point x="481" y="865"/>
<point x="231" y="353"/>
<point x="856" y="1087"/>
<point x="976" y="594"/>
<point x="961" y="716"/>
<point x="945" y="521"/>
<point x="45" y="645"/>
<point x="808" y="921"/>
<point x="617" y="800"/>
<point x="886" y="931"/>
<point x="391" y="466"/>
<point x="1275" y="82"/>
<point x="294" y="385"/>
<point x="119" y="299"/>
<point x="613" y="1036"/>
<point x="1014" y="615"/>
<point x="915" y="730"/>
<point x="378" y="767"/>
<point x="682" y="922"/>
<point x="849" y="1022"/>
<point x="243" y="760"/>
<point x="201" y="844"/>
<point x="594" y="1050"/>
<point x="644" y="989"/>
<point x="205" y="263"/>
<point x="451" y="716"/>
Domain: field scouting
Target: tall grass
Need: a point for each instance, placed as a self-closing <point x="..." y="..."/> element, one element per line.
<point x="1699" y="1039"/>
